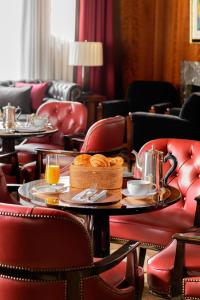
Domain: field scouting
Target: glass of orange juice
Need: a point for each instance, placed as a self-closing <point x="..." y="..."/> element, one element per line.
<point x="52" y="171"/>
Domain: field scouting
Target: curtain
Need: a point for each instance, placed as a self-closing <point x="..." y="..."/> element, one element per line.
<point x="96" y="24"/>
<point x="43" y="55"/>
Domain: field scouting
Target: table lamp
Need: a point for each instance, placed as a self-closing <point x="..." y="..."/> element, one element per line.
<point x="85" y="54"/>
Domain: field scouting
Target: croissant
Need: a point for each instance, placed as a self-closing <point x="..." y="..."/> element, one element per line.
<point x="116" y="161"/>
<point x="82" y="160"/>
<point x="99" y="160"/>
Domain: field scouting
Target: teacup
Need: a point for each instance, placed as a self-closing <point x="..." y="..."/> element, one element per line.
<point x="139" y="187"/>
<point x="40" y="121"/>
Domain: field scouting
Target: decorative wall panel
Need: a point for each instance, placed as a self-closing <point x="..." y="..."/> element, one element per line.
<point x="152" y="37"/>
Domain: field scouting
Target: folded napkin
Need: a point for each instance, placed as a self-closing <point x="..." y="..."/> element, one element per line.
<point x="89" y="195"/>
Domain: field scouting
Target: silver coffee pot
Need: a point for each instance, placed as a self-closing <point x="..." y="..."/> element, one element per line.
<point x="150" y="164"/>
<point x="10" y="115"/>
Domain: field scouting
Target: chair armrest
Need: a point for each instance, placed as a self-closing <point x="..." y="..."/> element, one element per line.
<point x="175" y="111"/>
<point x="127" y="250"/>
<point x="160" y="107"/>
<point x="69" y="140"/>
<point x="178" y="270"/>
<point x="111" y="108"/>
<point x="197" y="212"/>
<point x="149" y="126"/>
<point x="188" y="237"/>
<point x="13" y="187"/>
<point x="115" y="258"/>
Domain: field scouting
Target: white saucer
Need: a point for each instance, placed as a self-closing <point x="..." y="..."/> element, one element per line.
<point x="50" y="189"/>
<point x="29" y="129"/>
<point x="126" y="193"/>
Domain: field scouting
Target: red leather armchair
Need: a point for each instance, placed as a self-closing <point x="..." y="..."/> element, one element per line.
<point x="155" y="229"/>
<point x="104" y="136"/>
<point x="174" y="271"/>
<point x="47" y="254"/>
<point x="69" y="117"/>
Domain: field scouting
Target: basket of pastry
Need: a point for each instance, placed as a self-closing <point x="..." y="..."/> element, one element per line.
<point x="96" y="170"/>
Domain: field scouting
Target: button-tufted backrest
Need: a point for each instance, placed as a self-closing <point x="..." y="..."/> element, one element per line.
<point x="42" y="239"/>
<point x="69" y="117"/>
<point x="105" y="135"/>
<point x="187" y="175"/>
<point x="64" y="90"/>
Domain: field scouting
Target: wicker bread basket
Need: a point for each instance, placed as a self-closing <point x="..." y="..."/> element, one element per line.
<point x="102" y="177"/>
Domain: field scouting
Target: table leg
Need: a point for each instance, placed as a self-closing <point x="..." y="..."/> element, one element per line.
<point x="98" y="227"/>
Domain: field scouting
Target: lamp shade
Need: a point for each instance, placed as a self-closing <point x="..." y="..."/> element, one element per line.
<point x="86" y="54"/>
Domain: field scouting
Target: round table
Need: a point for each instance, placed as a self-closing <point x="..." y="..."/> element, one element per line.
<point x="97" y="214"/>
<point x="8" y="138"/>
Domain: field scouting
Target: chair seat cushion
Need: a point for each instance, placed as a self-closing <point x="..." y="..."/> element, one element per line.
<point x="191" y="287"/>
<point x="153" y="227"/>
<point x="27" y="152"/>
<point x="160" y="266"/>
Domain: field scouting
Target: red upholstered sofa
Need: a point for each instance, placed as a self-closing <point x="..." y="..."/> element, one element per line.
<point x="69" y="117"/>
<point x="157" y="228"/>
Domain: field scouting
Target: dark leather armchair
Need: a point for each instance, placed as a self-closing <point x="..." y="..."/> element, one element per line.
<point x="46" y="254"/>
<point x="155" y="96"/>
<point x="148" y="126"/>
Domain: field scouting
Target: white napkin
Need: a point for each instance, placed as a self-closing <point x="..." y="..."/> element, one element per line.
<point x="89" y="195"/>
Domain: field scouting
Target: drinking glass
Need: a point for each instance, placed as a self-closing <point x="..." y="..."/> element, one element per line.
<point x="52" y="171"/>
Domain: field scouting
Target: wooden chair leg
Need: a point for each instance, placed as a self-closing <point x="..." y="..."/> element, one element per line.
<point x="142" y="255"/>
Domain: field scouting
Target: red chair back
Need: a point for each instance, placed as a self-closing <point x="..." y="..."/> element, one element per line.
<point x="105" y="135"/>
<point x="69" y="117"/>
<point x="187" y="175"/>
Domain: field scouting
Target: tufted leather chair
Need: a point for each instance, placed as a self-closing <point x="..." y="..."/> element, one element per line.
<point x="47" y="254"/>
<point x="105" y="136"/>
<point x="70" y="118"/>
<point x="149" y="126"/>
<point x="174" y="271"/>
<point x="155" y="229"/>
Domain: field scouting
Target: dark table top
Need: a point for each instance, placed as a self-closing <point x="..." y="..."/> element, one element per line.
<point x="113" y="204"/>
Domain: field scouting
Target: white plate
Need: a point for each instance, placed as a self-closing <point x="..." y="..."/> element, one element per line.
<point x="50" y="189"/>
<point x="29" y="129"/>
<point x="126" y="193"/>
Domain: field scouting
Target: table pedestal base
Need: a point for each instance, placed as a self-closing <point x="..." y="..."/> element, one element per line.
<point x="98" y="227"/>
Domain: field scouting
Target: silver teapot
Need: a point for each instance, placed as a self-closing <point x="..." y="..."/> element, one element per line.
<point x="10" y="115"/>
<point x="150" y="164"/>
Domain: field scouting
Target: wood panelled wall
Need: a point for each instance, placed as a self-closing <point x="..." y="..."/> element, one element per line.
<point x="152" y="38"/>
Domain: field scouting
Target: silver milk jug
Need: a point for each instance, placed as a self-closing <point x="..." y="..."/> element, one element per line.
<point x="150" y="164"/>
<point x="9" y="117"/>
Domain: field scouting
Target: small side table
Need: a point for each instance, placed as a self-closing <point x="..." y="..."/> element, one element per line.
<point x="91" y="102"/>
